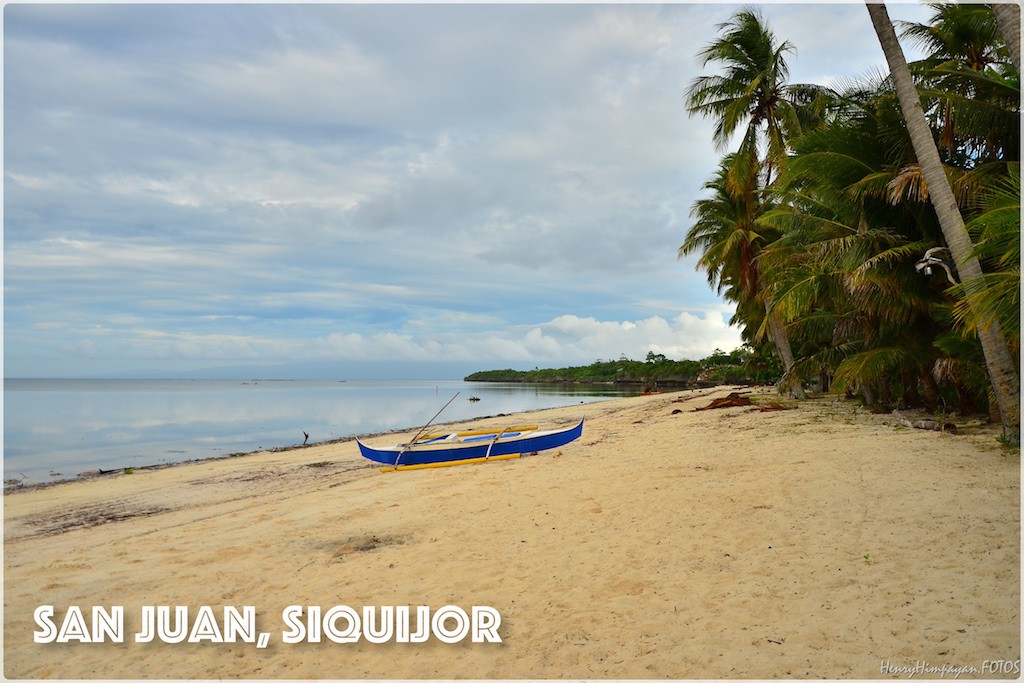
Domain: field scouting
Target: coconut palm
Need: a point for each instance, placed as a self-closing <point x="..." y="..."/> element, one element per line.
<point x="967" y="34"/>
<point x="996" y="231"/>
<point x="751" y="94"/>
<point x="969" y="86"/>
<point x="726" y="232"/>
<point x="819" y="247"/>
<point x="730" y="235"/>
<point x="1008" y="17"/>
<point x="842" y="273"/>
<point x="1003" y="374"/>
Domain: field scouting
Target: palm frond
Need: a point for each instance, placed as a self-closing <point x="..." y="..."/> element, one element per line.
<point x="868" y="365"/>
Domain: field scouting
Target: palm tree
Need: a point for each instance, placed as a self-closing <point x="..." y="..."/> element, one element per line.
<point x="970" y="88"/>
<point x="842" y="272"/>
<point x="726" y="231"/>
<point x="730" y="235"/>
<point x="1008" y="18"/>
<point x="751" y="91"/>
<point x="1003" y="374"/>
<point x="751" y="94"/>
<point x="963" y="33"/>
<point x="996" y="230"/>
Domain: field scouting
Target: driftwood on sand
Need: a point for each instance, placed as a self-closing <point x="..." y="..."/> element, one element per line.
<point x="933" y="425"/>
<point x="733" y="400"/>
<point x="690" y="397"/>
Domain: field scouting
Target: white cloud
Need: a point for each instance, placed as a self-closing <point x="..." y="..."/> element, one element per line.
<point x="567" y="339"/>
<point x="419" y="182"/>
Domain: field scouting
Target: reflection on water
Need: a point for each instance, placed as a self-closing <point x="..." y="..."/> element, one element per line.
<point x="58" y="428"/>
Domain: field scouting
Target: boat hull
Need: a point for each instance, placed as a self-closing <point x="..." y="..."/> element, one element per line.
<point x="480" y="448"/>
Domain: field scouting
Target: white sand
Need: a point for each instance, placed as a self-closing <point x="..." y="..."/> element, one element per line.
<point x="809" y="543"/>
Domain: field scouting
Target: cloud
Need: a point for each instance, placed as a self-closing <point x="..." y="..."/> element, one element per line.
<point x="567" y="339"/>
<point x="685" y="336"/>
<point x="265" y="182"/>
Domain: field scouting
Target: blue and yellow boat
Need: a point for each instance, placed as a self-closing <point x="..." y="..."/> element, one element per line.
<point x="461" y="448"/>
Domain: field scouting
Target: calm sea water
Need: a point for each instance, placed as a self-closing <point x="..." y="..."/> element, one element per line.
<point x="55" y="429"/>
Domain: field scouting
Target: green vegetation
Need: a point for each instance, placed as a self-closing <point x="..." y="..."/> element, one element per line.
<point x="814" y="224"/>
<point x="742" y="366"/>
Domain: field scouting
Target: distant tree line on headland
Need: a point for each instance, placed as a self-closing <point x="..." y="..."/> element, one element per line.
<point x="742" y="366"/>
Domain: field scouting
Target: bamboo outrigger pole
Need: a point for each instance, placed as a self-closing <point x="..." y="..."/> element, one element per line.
<point x="494" y="441"/>
<point x="450" y="463"/>
<point x="424" y="428"/>
<point x="481" y="432"/>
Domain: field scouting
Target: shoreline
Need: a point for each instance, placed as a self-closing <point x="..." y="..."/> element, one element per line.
<point x="120" y="471"/>
<point x="816" y="542"/>
<point x="27" y="484"/>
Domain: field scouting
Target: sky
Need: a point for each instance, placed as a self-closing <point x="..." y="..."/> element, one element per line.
<point x="363" y="190"/>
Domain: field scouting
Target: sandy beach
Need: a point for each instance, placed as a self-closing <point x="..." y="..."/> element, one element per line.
<point x="817" y="542"/>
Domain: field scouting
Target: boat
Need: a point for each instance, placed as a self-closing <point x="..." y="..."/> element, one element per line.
<point x="460" y="448"/>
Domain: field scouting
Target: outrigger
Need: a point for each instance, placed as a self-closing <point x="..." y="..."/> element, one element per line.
<point x="463" y="448"/>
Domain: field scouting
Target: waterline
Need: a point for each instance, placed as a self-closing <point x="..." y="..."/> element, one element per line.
<point x="56" y="429"/>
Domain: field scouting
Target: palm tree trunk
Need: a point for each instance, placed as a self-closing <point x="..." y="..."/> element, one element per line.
<point x="993" y="409"/>
<point x="910" y="396"/>
<point x="870" y="401"/>
<point x="1008" y="18"/>
<point x="781" y="339"/>
<point x="1000" y="365"/>
<point x="931" y="390"/>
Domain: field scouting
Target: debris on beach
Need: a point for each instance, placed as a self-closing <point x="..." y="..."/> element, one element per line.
<point x="98" y="473"/>
<point x="733" y="400"/>
<point x="933" y="425"/>
<point x="684" y="399"/>
<point x="773" y="406"/>
<point x="90" y="515"/>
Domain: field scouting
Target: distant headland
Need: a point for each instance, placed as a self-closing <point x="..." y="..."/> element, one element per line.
<point x="741" y="366"/>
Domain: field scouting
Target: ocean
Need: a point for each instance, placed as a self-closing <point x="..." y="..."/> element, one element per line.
<point x="55" y="429"/>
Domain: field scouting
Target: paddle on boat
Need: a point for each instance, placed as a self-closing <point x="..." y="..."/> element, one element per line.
<point x="460" y="448"/>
